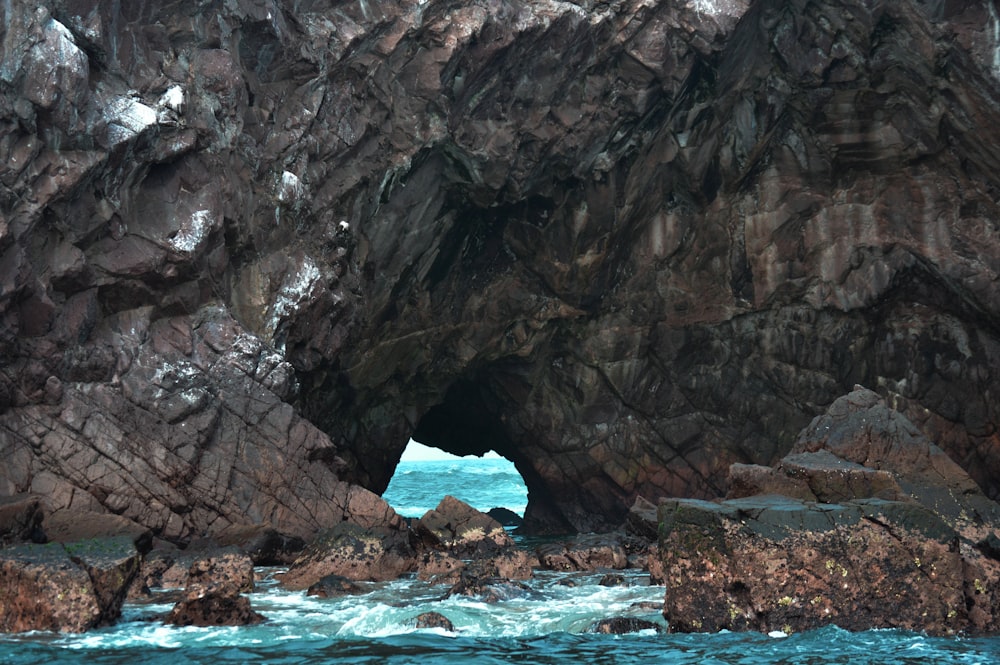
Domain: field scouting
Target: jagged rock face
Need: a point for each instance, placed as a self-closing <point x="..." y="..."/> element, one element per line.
<point x="248" y="248"/>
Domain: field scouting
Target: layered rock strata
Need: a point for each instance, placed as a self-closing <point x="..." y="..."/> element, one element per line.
<point x="248" y="248"/>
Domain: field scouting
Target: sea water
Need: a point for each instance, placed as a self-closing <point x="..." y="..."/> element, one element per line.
<point x="548" y="623"/>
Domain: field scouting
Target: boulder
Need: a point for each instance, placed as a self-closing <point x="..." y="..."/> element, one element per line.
<point x="897" y="538"/>
<point x="68" y="526"/>
<point x="505" y="516"/>
<point x="434" y="620"/>
<point x="623" y="625"/>
<point x="353" y="552"/>
<point x="585" y="552"/>
<point x="333" y="586"/>
<point x="213" y="606"/>
<point x="457" y="527"/>
<point x="67" y="588"/>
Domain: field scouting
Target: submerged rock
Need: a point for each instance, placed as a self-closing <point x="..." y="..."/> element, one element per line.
<point x="434" y="620"/>
<point x="623" y="625"/>
<point x="333" y="586"/>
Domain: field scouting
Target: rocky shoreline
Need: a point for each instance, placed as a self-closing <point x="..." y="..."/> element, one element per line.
<point x="865" y="524"/>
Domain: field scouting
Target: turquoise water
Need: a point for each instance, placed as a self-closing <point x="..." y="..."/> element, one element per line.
<point x="483" y="483"/>
<point x="547" y="624"/>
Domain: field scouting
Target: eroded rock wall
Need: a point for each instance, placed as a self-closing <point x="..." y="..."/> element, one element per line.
<point x="247" y="248"/>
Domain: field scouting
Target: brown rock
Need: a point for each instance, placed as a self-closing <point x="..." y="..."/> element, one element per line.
<point x="355" y="553"/>
<point x="68" y="526"/>
<point x="434" y="620"/>
<point x="333" y="586"/>
<point x="458" y="527"/>
<point x="766" y="562"/>
<point x="69" y="588"/>
<point x="261" y="543"/>
<point x="234" y="279"/>
<point x="214" y="606"/>
<point x="585" y="552"/>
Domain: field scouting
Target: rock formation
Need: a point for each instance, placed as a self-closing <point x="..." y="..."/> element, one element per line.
<point x="890" y="533"/>
<point x="248" y="248"/>
<point x="67" y="588"/>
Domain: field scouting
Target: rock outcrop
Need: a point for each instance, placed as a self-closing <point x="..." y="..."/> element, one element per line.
<point x="891" y="534"/>
<point x="248" y="248"/>
<point x="67" y="588"/>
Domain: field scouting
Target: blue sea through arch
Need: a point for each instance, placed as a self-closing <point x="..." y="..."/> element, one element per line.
<point x="548" y="624"/>
<point x="425" y="475"/>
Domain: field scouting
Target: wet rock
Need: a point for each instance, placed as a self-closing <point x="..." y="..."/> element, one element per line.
<point x="612" y="579"/>
<point x="67" y="588"/>
<point x="585" y="552"/>
<point x="776" y="563"/>
<point x="434" y="620"/>
<point x="486" y="588"/>
<point x="459" y="528"/>
<point x="214" y="606"/>
<point x="623" y="626"/>
<point x="439" y="568"/>
<point x="333" y="586"/>
<point x="355" y="553"/>
<point x="223" y="569"/>
<point x="505" y="516"/>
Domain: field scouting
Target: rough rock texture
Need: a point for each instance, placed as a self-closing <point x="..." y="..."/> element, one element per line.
<point x="375" y="554"/>
<point x="334" y="586"/>
<point x="460" y="529"/>
<point x="248" y="247"/>
<point x="68" y="588"/>
<point x="920" y="558"/>
<point x="434" y="620"/>
<point x="586" y="552"/>
<point x="214" y="606"/>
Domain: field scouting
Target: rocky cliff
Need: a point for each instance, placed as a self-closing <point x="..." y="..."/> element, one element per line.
<point x="249" y="247"/>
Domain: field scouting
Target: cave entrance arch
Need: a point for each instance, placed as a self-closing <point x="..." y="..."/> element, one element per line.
<point x="467" y="425"/>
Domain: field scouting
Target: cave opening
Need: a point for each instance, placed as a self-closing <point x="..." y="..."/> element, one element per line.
<point x="488" y="482"/>
<point x="463" y="448"/>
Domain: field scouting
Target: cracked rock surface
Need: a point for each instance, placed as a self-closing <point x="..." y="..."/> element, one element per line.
<point x="248" y="248"/>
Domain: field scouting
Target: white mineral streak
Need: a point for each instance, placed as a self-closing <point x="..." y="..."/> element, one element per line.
<point x="173" y="99"/>
<point x="294" y="291"/>
<point x="289" y="188"/>
<point x="191" y="233"/>
<point x="127" y="118"/>
<point x="719" y="7"/>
